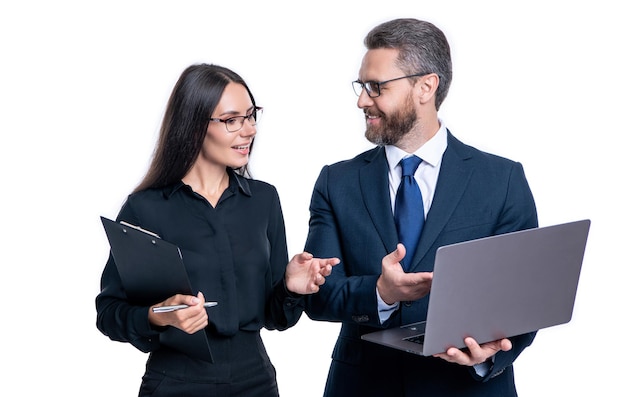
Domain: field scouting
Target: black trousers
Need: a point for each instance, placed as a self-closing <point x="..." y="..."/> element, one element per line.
<point x="241" y="367"/>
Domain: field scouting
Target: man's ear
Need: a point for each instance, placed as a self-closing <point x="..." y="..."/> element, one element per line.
<point x="427" y="88"/>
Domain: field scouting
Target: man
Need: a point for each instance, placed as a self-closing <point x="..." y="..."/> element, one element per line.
<point x="465" y="194"/>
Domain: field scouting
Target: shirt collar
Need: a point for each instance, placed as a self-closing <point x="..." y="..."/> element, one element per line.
<point x="242" y="183"/>
<point x="236" y="181"/>
<point x="431" y="152"/>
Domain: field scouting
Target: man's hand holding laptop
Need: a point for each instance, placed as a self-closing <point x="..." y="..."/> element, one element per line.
<point x="475" y="353"/>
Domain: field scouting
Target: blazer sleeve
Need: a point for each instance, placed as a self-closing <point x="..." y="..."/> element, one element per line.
<point x="283" y="308"/>
<point x="346" y="296"/>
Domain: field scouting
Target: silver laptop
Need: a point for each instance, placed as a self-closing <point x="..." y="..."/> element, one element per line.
<point x="496" y="287"/>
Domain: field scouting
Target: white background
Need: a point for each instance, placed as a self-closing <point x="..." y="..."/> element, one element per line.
<point x="83" y="86"/>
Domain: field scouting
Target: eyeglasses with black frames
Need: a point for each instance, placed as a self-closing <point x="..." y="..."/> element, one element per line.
<point x="373" y="87"/>
<point x="235" y="123"/>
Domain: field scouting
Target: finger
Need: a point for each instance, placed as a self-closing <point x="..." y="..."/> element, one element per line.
<point x="420" y="277"/>
<point x="328" y="262"/>
<point x="177" y="299"/>
<point x="455" y="355"/>
<point x="491" y="348"/>
<point x="300" y="258"/>
<point x="400" y="252"/>
<point x="188" y="300"/>
<point x="474" y="349"/>
<point x="396" y="256"/>
<point x="326" y="270"/>
<point x="191" y="300"/>
<point x="506" y="345"/>
<point x="197" y="324"/>
<point x="481" y="353"/>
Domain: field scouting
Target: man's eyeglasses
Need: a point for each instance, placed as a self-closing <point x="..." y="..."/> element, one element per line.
<point x="235" y="123"/>
<point x="373" y="87"/>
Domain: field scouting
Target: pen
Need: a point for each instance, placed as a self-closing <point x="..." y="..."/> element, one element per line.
<point x="163" y="309"/>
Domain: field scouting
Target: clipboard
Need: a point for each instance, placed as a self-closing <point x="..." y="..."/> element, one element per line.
<point x="152" y="270"/>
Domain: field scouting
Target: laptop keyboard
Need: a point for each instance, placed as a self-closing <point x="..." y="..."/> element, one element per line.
<point x="416" y="339"/>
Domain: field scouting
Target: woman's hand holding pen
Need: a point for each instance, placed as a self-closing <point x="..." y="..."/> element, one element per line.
<point x="189" y="320"/>
<point x="305" y="274"/>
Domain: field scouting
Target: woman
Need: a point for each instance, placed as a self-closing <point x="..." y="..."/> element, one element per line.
<point x="198" y="194"/>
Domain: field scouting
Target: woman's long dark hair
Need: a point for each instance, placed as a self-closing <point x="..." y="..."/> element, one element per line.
<point x="193" y="100"/>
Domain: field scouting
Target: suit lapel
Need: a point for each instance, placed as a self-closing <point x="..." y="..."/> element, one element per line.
<point x="374" y="183"/>
<point x="451" y="184"/>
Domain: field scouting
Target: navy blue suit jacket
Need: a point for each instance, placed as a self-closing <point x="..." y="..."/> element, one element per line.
<point x="477" y="195"/>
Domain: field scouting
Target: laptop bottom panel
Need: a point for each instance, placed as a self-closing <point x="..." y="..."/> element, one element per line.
<point x="408" y="338"/>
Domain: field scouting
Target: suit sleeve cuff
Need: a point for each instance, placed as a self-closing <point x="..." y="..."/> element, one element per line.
<point x="483" y="369"/>
<point x="289" y="297"/>
<point x="384" y="310"/>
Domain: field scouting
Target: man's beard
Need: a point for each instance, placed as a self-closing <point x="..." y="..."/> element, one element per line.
<point x="393" y="126"/>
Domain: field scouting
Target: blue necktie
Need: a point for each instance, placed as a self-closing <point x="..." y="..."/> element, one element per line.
<point x="409" y="211"/>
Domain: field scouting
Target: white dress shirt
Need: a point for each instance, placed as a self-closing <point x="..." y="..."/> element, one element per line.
<point x="426" y="176"/>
